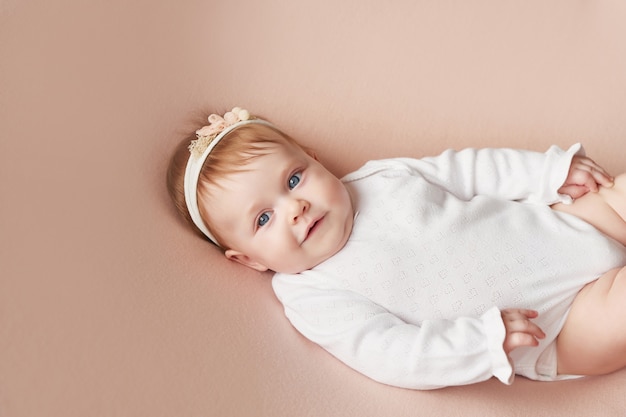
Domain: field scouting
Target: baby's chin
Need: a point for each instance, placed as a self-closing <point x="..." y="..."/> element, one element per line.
<point x="310" y="263"/>
<point x="306" y="266"/>
<point x="296" y="269"/>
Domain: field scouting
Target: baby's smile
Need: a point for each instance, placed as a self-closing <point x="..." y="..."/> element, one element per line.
<point x="313" y="227"/>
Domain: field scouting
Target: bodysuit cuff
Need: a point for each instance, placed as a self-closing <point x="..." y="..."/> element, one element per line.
<point x="555" y="171"/>
<point x="502" y="368"/>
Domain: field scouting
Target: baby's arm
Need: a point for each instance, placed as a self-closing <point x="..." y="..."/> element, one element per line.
<point x="382" y="346"/>
<point x="511" y="174"/>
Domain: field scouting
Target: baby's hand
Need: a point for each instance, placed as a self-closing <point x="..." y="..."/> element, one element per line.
<point x="520" y="331"/>
<point x="584" y="176"/>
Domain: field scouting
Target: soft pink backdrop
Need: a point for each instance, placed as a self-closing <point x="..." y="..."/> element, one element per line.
<point x="108" y="307"/>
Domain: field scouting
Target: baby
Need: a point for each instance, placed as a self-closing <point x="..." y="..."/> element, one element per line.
<point x="422" y="273"/>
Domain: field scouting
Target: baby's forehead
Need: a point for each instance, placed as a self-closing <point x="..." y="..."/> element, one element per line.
<point x="244" y="163"/>
<point x="252" y="153"/>
<point x="272" y="159"/>
<point x="269" y="153"/>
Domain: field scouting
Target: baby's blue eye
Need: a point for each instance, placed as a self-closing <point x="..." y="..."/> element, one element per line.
<point x="263" y="219"/>
<point x="294" y="180"/>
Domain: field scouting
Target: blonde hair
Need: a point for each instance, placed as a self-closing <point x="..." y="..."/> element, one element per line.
<point x="230" y="155"/>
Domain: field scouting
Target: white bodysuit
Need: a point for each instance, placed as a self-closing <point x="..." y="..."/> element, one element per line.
<point x="439" y="246"/>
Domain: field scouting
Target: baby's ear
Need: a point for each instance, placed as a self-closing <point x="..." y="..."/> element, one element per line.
<point x="244" y="259"/>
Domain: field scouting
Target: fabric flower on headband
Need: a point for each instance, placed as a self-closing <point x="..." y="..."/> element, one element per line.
<point x="216" y="125"/>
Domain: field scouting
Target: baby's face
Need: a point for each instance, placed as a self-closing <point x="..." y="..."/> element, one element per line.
<point x="284" y="212"/>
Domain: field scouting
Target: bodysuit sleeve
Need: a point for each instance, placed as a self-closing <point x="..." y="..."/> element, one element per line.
<point x="369" y="339"/>
<point x="510" y="174"/>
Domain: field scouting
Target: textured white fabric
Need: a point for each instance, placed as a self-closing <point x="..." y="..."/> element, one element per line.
<point x="439" y="246"/>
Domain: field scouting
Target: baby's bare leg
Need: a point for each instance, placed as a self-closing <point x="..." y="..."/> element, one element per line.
<point x="606" y="209"/>
<point x="593" y="340"/>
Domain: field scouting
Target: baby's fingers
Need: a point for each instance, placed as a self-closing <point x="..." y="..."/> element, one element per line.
<point x="522" y="324"/>
<point x="520" y="330"/>
<point x="602" y="177"/>
<point x="599" y="174"/>
<point x="516" y="340"/>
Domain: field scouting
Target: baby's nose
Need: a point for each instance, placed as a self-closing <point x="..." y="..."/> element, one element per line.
<point x="297" y="209"/>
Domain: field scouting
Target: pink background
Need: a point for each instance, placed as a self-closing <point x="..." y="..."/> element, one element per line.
<point x="109" y="307"/>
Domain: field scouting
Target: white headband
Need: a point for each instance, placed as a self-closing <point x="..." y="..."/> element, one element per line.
<point x="207" y="138"/>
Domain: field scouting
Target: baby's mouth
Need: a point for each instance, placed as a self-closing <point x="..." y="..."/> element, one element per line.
<point x="313" y="228"/>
